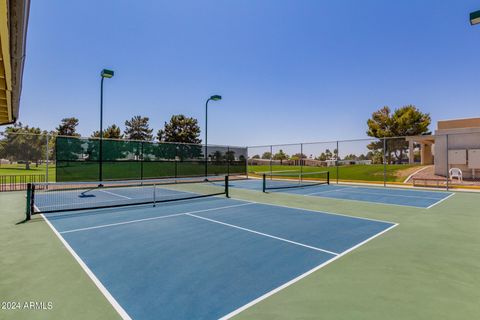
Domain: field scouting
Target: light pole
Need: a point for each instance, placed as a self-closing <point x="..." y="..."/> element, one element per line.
<point x="213" y="98"/>
<point x="104" y="74"/>
<point x="475" y="17"/>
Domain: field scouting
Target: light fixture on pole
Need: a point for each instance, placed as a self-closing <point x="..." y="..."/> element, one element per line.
<point x="104" y="74"/>
<point x="212" y="98"/>
<point x="475" y="17"/>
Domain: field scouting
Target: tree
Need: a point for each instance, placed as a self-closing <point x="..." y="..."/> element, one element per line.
<point x="362" y="157"/>
<point x="376" y="156"/>
<point x="52" y="141"/>
<point x="217" y="156"/>
<point x="267" y="155"/>
<point x="68" y="127"/>
<point x="327" y="155"/>
<point x="180" y="129"/>
<point x="256" y="156"/>
<point x="112" y="132"/>
<point x="230" y="155"/>
<point x="350" y="157"/>
<point x="24" y="144"/>
<point x="405" y="121"/>
<point x="138" y="128"/>
<point x="321" y="157"/>
<point x="280" y="155"/>
<point x="298" y="156"/>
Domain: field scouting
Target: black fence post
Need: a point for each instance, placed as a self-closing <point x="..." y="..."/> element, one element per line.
<point x="447" y="174"/>
<point x="227" y="187"/>
<point x="141" y="160"/>
<point x="384" y="162"/>
<point x="336" y="161"/>
<point x="228" y="160"/>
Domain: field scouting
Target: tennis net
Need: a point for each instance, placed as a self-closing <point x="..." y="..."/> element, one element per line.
<point x="69" y="196"/>
<point x="291" y="179"/>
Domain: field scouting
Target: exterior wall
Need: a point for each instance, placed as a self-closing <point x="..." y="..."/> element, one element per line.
<point x="460" y="139"/>
<point x="459" y="124"/>
<point x="426" y="154"/>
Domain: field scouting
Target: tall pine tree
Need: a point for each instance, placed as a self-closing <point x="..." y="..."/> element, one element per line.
<point x="138" y="128"/>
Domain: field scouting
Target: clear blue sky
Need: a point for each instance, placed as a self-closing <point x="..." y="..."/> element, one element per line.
<point x="289" y="71"/>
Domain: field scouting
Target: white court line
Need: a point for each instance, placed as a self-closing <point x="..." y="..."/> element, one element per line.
<point x="152" y="218"/>
<point x="289" y="283"/>
<point x="362" y="201"/>
<point x="324" y="191"/>
<point x="440" y="201"/>
<point x="318" y="211"/>
<point x="92" y="276"/>
<point x="120" y="223"/>
<point x="114" y="194"/>
<point x="386" y="194"/>
<point x="263" y="234"/>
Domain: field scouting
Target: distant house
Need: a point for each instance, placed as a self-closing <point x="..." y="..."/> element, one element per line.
<point x="331" y="163"/>
<point x="354" y="162"/>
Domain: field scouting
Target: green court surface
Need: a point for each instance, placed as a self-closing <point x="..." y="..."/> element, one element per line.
<point x="425" y="268"/>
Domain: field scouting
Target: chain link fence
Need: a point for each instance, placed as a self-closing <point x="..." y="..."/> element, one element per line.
<point x="438" y="161"/>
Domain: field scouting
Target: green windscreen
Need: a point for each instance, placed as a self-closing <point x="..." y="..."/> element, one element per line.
<point x="78" y="159"/>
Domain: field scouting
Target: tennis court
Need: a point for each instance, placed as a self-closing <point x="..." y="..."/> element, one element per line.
<point x="380" y="195"/>
<point x="203" y="257"/>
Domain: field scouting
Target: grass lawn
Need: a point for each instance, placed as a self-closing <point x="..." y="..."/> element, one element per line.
<point x="20" y="170"/>
<point x="373" y="172"/>
<point x="88" y="171"/>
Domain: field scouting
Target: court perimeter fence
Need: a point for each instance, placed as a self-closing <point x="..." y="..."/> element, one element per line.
<point x="26" y="158"/>
<point x="438" y="161"/>
<point x="423" y="161"/>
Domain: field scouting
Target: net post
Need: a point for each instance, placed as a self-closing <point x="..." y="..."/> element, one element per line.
<point x="226" y="187"/>
<point x="29" y="202"/>
<point x="264" y="185"/>
<point x="328" y="177"/>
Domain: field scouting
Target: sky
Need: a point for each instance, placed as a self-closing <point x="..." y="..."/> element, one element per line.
<point x="288" y="70"/>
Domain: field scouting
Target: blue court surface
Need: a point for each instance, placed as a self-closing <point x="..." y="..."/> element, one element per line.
<point x="205" y="258"/>
<point x="391" y="196"/>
